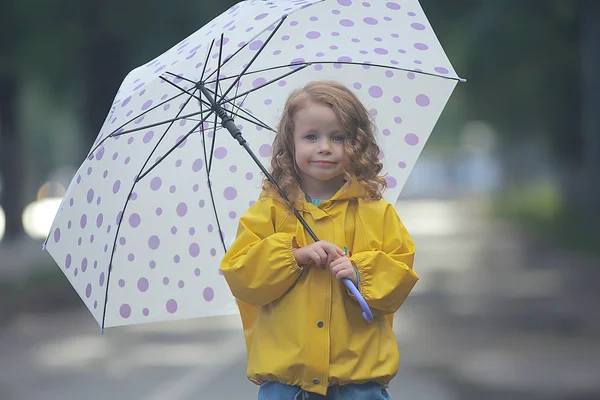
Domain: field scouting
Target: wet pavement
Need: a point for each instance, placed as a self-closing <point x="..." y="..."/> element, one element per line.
<point x="495" y="315"/>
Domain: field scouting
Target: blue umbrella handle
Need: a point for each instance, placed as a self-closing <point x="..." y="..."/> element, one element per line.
<point x="367" y="314"/>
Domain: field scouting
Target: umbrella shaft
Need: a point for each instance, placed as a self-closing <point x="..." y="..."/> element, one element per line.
<point x="228" y="123"/>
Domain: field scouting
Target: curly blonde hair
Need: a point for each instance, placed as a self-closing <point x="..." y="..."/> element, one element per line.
<point x="360" y="145"/>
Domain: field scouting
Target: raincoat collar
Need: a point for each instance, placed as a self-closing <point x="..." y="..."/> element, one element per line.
<point x="350" y="190"/>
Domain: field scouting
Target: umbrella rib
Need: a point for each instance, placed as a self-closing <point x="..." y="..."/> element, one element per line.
<point x="187" y="116"/>
<point x="350" y="63"/>
<point x="206" y="60"/>
<point x="212" y="197"/>
<point x="256" y="121"/>
<point x="112" y="254"/>
<point x="301" y="67"/>
<point x="214" y="138"/>
<point x="174" y="147"/>
<point x="238" y="77"/>
<point x="185" y="90"/>
<point x="104" y="139"/>
<point x="181" y="77"/>
<point x="212" y="147"/>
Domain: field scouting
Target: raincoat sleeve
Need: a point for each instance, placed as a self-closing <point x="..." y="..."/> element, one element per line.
<point x="386" y="275"/>
<point x="260" y="266"/>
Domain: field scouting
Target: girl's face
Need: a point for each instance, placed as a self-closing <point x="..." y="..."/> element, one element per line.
<point x="319" y="147"/>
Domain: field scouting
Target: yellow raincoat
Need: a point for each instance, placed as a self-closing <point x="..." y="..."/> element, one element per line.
<point x="302" y="326"/>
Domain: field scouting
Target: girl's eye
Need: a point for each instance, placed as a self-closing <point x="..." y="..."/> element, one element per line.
<point x="338" y="138"/>
<point x="311" y="137"/>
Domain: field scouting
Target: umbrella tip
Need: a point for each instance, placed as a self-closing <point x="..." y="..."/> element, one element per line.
<point x="44" y="246"/>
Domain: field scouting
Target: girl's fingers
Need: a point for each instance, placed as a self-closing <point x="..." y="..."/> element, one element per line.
<point x="322" y="256"/>
<point x="342" y="274"/>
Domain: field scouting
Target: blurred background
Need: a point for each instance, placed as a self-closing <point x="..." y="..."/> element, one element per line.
<point x="503" y="206"/>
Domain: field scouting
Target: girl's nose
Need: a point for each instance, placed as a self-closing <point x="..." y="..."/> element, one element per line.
<point x="324" y="146"/>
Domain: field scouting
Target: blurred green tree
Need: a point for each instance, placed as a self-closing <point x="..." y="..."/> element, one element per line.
<point x="82" y="49"/>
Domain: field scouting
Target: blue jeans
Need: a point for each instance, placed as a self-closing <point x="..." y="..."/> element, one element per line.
<point x="279" y="391"/>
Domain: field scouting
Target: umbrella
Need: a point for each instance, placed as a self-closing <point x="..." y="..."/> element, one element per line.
<point x="152" y="209"/>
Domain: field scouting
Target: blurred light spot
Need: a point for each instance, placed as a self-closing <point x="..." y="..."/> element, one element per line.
<point x="38" y="217"/>
<point x="51" y="189"/>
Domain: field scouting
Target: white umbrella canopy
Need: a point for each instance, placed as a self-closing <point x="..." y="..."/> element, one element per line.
<point x="137" y="234"/>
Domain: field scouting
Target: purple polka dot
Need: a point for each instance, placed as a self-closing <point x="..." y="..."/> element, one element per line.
<point x="83" y="221"/>
<point x="101" y="279"/>
<point x="313" y="35"/>
<point x="370" y="21"/>
<point x="135" y="220"/>
<point x="391" y="182"/>
<point x="257" y="44"/>
<point x="176" y="259"/>
<point x="265" y="150"/>
<point x="159" y="211"/>
<point x="421" y="46"/>
<point x="213" y="252"/>
<point x="417" y="26"/>
<point x="249" y="175"/>
<point x="441" y="70"/>
<point x="411" y="139"/>
<point x="171" y="306"/>
<point x="181" y="284"/>
<point x="155" y="183"/>
<point x="392" y="5"/>
<point x="143" y="284"/>
<point x="422" y="100"/>
<point x="116" y="186"/>
<point x="146" y="312"/>
<point x="208" y="294"/>
<point x="230" y="193"/>
<point x="346" y="22"/>
<point x="197" y="165"/>
<point x="100" y="153"/>
<point x="153" y="242"/>
<point x="397" y="99"/>
<point x="201" y="203"/>
<point x="381" y="51"/>
<point x="165" y="281"/>
<point x="125" y="311"/>
<point x="68" y="261"/>
<point x="88" y="290"/>
<point x="197" y="272"/>
<point x="260" y="16"/>
<point x="152" y="264"/>
<point x="194" y="250"/>
<point x="57" y="235"/>
<point x="375" y="91"/>
<point x="220" y="152"/>
<point x="232" y="214"/>
<point x="411" y="75"/>
<point x="182" y="209"/>
<point x="387" y="132"/>
<point x="148" y="136"/>
<point x="131" y="257"/>
<point x="398" y="120"/>
<point x="146" y="105"/>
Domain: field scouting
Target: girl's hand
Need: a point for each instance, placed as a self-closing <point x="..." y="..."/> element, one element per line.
<point x="343" y="268"/>
<point x="322" y="253"/>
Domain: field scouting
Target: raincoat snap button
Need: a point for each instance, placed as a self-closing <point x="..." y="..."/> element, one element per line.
<point x="316" y="381"/>
<point x="320" y="324"/>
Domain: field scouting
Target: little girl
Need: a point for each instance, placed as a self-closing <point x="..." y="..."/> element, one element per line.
<point x="304" y="331"/>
